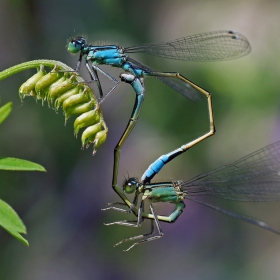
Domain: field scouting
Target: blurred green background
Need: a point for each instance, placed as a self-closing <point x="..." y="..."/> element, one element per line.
<point x="62" y="207"/>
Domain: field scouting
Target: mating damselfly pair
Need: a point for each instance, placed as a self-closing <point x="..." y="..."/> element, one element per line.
<point x="252" y="178"/>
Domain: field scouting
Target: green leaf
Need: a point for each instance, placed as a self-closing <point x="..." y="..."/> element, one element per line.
<point x="18" y="236"/>
<point x="11" y="222"/>
<point x="15" y="164"/>
<point x="5" y="111"/>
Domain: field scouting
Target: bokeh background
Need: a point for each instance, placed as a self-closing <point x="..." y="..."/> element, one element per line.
<point x="62" y="207"/>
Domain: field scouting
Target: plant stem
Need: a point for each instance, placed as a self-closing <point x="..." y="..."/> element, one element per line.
<point x="34" y="64"/>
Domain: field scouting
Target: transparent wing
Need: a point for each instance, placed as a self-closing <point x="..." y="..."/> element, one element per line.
<point x="255" y="177"/>
<point x="244" y="218"/>
<point x="211" y="46"/>
<point x="179" y="85"/>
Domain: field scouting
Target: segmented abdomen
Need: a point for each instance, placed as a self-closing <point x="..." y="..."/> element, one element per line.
<point x="65" y="90"/>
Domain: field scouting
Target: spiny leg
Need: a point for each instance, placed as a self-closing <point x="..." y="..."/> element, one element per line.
<point x="94" y="77"/>
<point x="147" y="234"/>
<point x="152" y="231"/>
<point x="78" y="65"/>
<point x="180" y="206"/>
<point x="92" y="69"/>
<point x="114" y="204"/>
<point x="77" y="68"/>
<point x="126" y="222"/>
<point x="171" y="218"/>
<point x="111" y="78"/>
<point x="134" y="224"/>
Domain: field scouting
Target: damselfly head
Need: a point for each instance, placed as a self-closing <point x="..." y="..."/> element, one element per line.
<point x="130" y="185"/>
<point x="76" y="44"/>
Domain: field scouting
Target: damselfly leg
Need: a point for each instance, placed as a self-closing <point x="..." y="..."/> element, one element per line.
<point x="144" y="237"/>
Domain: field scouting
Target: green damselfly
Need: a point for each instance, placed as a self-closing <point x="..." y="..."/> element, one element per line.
<point x="254" y="178"/>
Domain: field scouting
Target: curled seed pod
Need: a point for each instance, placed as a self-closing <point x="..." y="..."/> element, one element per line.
<point x="59" y="88"/>
<point x="43" y="85"/>
<point x="78" y="109"/>
<point x="75" y="97"/>
<point x="88" y="136"/>
<point x="59" y="101"/>
<point x="100" y="138"/>
<point x="49" y="88"/>
<point x="86" y="119"/>
<point x="29" y="85"/>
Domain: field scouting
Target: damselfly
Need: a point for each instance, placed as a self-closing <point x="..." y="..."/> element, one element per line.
<point x="255" y="178"/>
<point x="211" y="46"/>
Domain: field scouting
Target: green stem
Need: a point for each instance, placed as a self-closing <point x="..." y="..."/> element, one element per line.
<point x="34" y="64"/>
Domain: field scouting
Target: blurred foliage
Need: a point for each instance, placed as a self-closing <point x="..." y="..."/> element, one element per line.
<point x="9" y="220"/>
<point x="62" y="207"/>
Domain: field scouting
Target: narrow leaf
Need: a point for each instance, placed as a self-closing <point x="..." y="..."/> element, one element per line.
<point x="5" y="110"/>
<point x="9" y="219"/>
<point x="18" y="236"/>
<point x="15" y="164"/>
<point x="11" y="222"/>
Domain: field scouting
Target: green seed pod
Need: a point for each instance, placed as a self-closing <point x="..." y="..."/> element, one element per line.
<point x="88" y="136"/>
<point x="59" y="101"/>
<point x="43" y="85"/>
<point x="86" y="119"/>
<point x="54" y="85"/>
<point x="59" y="88"/>
<point x="75" y="97"/>
<point x="78" y="109"/>
<point x="100" y="138"/>
<point x="28" y="87"/>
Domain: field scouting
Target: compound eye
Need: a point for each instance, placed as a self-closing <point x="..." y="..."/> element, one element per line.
<point x="74" y="47"/>
<point x="130" y="185"/>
